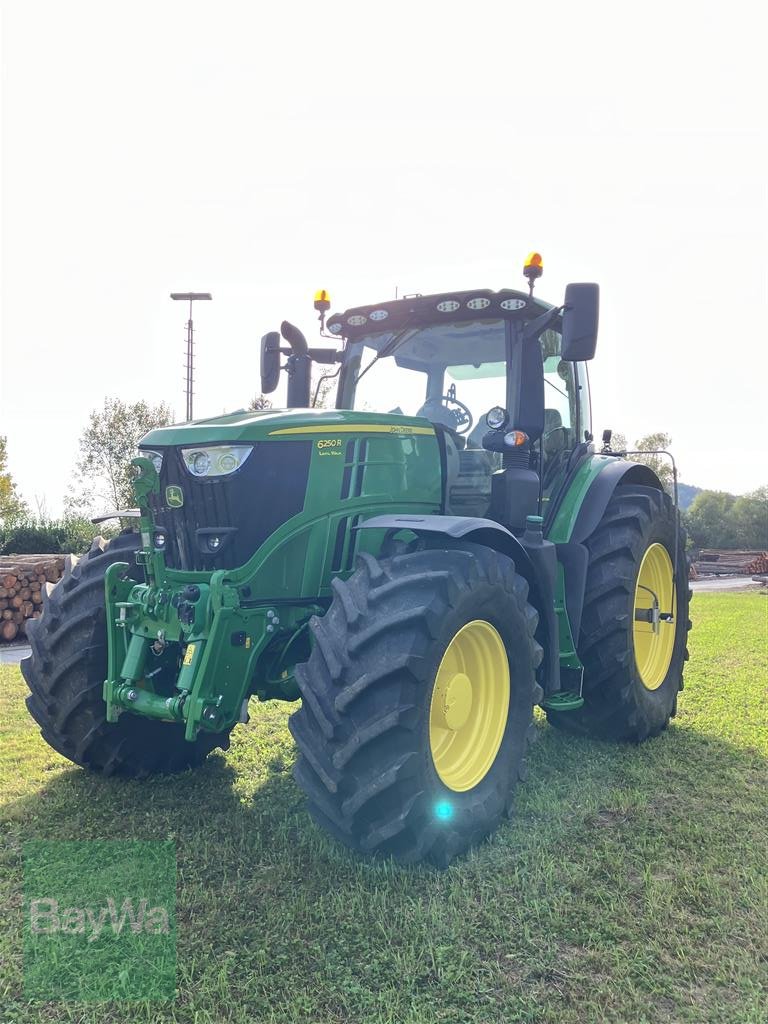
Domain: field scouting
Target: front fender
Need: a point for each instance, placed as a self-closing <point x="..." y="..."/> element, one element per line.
<point x="472" y="528"/>
<point x="493" y="535"/>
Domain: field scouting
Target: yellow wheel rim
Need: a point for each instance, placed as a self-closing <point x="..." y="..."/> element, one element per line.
<point x="469" y="707"/>
<point x="654" y="637"/>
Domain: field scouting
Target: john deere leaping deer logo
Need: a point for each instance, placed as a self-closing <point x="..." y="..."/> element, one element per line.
<point x="174" y="496"/>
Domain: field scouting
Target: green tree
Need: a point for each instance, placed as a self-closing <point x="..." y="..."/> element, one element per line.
<point x="12" y="507"/>
<point x="36" y="535"/>
<point x="660" y="464"/>
<point x="259" y="402"/>
<point x="107" y="445"/>
<point x="710" y="520"/>
<point x="750" y="520"/>
<point x="324" y="387"/>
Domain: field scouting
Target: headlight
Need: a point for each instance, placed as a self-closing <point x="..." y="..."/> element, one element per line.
<point x="156" y="458"/>
<point x="497" y="417"/>
<point x="199" y="463"/>
<point x="218" y="460"/>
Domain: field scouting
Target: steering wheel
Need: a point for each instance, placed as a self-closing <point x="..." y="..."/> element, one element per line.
<point x="460" y="416"/>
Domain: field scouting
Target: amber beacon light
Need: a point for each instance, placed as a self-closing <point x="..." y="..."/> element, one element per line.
<point x="533" y="268"/>
<point x="322" y="305"/>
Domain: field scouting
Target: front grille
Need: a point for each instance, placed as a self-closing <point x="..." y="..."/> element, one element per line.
<point x="268" y="489"/>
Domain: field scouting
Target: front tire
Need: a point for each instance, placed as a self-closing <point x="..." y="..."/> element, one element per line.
<point x="633" y="668"/>
<point x="417" y="703"/>
<point x="66" y="671"/>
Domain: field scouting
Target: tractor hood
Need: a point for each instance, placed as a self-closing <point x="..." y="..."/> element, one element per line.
<point x="301" y="467"/>
<point x="274" y="424"/>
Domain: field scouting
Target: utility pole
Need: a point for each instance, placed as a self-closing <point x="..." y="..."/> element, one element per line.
<point x="190" y="375"/>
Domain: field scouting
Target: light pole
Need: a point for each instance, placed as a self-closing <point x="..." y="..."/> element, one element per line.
<point x="190" y="297"/>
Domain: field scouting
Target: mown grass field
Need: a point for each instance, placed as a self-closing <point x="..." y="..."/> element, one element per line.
<point x="631" y="887"/>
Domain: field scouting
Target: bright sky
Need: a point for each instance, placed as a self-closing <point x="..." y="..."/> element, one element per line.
<point x="262" y="151"/>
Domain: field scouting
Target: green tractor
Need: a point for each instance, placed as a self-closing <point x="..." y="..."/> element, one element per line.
<point x="422" y="565"/>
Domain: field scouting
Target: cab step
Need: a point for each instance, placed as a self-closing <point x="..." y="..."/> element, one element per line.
<point x="565" y="700"/>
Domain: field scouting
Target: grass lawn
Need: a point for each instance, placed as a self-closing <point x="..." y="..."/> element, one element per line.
<point x="631" y="887"/>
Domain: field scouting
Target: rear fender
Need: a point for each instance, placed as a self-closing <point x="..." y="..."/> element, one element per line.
<point x="601" y="491"/>
<point x="571" y="550"/>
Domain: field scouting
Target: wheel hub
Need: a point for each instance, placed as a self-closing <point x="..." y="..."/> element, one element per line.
<point x="457" y="704"/>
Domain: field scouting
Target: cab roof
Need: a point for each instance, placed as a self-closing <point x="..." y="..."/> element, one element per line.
<point x="421" y="310"/>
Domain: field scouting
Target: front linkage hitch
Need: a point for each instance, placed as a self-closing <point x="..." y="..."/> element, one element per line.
<point x="178" y="652"/>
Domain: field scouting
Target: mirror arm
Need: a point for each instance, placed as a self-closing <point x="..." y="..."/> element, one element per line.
<point x="325" y="355"/>
<point x="534" y="327"/>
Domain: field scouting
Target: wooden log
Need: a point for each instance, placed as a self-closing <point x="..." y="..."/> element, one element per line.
<point x="9" y="631"/>
<point x="16" y="601"/>
<point x="26" y="609"/>
<point x="17" y="617"/>
<point x="37" y="597"/>
<point x="9" y="581"/>
<point x="25" y="594"/>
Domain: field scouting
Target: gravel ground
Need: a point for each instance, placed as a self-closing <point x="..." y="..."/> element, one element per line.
<point x="14" y="654"/>
<point x="725" y="583"/>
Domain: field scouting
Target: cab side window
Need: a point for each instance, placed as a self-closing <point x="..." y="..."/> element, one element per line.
<point x="560" y="398"/>
<point x="585" y="404"/>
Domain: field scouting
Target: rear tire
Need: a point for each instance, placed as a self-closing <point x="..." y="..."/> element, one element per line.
<point x="365" y="729"/>
<point x="66" y="671"/>
<point x="618" y="703"/>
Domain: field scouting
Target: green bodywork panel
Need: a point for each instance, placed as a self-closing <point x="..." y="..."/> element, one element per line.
<point x="568" y="656"/>
<point x="561" y="531"/>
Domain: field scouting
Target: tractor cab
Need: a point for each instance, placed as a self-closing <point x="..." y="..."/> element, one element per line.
<point x="487" y="369"/>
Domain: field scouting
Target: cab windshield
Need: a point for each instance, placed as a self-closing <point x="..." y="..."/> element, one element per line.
<point x="452" y="374"/>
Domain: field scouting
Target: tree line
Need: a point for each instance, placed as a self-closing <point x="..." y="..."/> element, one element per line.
<point x="717" y="519"/>
<point x="714" y="519"/>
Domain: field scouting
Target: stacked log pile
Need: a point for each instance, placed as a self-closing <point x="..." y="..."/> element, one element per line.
<point x="22" y="578"/>
<point x="714" y="562"/>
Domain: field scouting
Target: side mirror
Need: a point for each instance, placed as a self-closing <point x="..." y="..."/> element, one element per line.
<point x="582" y="305"/>
<point x="270" y="362"/>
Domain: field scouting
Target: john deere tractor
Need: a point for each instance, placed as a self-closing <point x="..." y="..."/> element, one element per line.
<point x="421" y="566"/>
